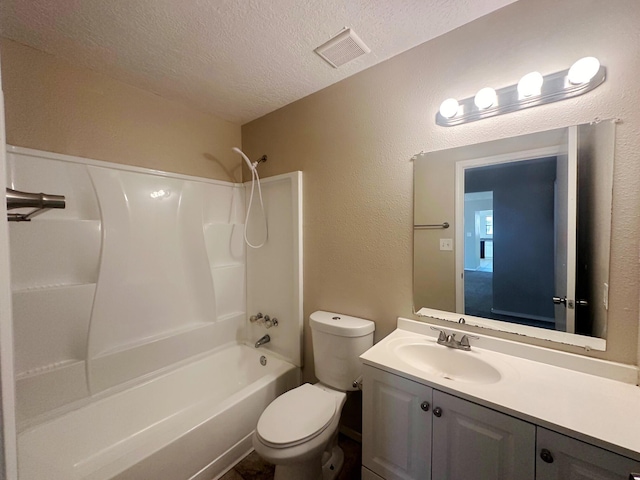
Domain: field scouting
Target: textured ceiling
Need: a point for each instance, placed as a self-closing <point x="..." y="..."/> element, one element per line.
<point x="237" y="59"/>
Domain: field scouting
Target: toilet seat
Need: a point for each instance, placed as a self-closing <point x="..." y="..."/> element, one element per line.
<point x="296" y="416"/>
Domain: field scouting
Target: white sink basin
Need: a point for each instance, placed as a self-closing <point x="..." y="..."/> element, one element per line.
<point x="445" y="362"/>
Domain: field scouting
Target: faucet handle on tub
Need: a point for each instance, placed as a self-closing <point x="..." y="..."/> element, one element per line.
<point x="270" y="322"/>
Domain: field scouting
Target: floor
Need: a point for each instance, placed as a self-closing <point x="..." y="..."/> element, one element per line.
<point x="486" y="265"/>
<point x="252" y="467"/>
<point x="478" y="293"/>
<point x="478" y="300"/>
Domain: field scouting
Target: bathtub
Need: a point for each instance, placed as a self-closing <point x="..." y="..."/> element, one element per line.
<point x="193" y="423"/>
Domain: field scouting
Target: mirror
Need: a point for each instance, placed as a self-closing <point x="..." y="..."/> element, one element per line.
<point x="514" y="234"/>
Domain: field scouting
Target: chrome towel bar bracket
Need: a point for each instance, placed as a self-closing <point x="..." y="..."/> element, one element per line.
<point x="40" y="202"/>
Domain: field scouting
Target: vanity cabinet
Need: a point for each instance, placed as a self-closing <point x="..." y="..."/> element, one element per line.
<point x="560" y="457"/>
<point x="412" y="431"/>
<point x="396" y="426"/>
<point x="470" y="441"/>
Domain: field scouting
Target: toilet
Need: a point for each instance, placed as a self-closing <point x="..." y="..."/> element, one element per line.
<point x="298" y="431"/>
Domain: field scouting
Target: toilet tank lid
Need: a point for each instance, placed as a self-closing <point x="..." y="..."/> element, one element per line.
<point x="340" y="325"/>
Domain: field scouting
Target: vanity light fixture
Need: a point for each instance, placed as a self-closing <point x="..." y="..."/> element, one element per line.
<point x="583" y="70"/>
<point x="449" y="108"/>
<point x="533" y="89"/>
<point x="530" y="84"/>
<point x="485" y="98"/>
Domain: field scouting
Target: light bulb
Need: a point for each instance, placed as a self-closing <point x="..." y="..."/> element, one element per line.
<point x="583" y="70"/>
<point x="530" y="85"/>
<point x="485" y="98"/>
<point x="449" y="108"/>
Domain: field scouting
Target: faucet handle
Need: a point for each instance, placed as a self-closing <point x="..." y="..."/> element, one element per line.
<point x="467" y="337"/>
<point x="442" y="336"/>
<point x="464" y="341"/>
<point x="271" y="322"/>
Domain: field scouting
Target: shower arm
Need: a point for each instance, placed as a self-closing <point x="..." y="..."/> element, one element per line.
<point x="254" y="165"/>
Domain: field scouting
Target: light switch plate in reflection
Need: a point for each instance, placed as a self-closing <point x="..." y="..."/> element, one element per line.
<point x="446" y="244"/>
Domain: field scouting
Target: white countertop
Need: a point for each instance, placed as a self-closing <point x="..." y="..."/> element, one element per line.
<point x="598" y="410"/>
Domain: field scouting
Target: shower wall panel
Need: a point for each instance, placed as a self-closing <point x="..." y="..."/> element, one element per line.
<point x="274" y="272"/>
<point x="141" y="270"/>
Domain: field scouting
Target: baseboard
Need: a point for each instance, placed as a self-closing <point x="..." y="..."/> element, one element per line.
<point x="351" y="433"/>
<point x="526" y="316"/>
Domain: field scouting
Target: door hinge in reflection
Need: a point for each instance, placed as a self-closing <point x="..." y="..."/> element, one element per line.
<point x="569" y="303"/>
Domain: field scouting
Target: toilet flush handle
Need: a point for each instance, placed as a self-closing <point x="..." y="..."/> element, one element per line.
<point x="357" y="383"/>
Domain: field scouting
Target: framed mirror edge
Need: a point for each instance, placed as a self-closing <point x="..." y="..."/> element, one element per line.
<point x="583" y="341"/>
<point x="554" y="336"/>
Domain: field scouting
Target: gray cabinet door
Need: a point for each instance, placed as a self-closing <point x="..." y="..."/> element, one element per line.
<point x="470" y="441"/>
<point x="564" y="458"/>
<point x="369" y="475"/>
<point x="396" y="427"/>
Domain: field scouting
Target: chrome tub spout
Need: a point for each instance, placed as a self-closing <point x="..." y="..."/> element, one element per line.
<point x="263" y="340"/>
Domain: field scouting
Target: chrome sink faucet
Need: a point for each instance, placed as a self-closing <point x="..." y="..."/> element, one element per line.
<point x="263" y="340"/>
<point x="449" y="340"/>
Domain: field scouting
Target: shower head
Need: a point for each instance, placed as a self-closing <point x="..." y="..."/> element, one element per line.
<point x="252" y="166"/>
<point x="246" y="159"/>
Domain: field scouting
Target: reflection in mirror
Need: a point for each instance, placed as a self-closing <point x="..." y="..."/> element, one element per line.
<point x="528" y="242"/>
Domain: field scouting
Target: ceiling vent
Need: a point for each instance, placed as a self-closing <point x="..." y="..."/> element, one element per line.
<point x="342" y="48"/>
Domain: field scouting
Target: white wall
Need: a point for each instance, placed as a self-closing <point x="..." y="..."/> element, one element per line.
<point x="471" y="237"/>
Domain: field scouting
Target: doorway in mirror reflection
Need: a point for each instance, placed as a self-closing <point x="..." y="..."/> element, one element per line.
<point x="511" y="223"/>
<point x="531" y="221"/>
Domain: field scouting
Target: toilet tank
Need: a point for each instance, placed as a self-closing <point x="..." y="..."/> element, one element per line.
<point x="338" y="341"/>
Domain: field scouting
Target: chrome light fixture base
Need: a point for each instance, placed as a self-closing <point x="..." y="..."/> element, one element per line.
<point x="555" y="87"/>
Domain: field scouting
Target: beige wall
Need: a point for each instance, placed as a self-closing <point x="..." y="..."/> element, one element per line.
<point x="354" y="141"/>
<point x="434" y="278"/>
<point x="54" y="106"/>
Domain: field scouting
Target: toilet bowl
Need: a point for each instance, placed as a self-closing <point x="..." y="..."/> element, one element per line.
<point x="298" y="431"/>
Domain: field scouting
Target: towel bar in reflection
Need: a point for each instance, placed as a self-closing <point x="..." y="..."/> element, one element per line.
<point x="431" y="225"/>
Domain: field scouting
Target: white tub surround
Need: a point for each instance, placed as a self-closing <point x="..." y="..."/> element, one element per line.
<point x="141" y="270"/>
<point x="600" y="408"/>
<point x="274" y="272"/>
<point x="144" y="431"/>
<point x="130" y="315"/>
